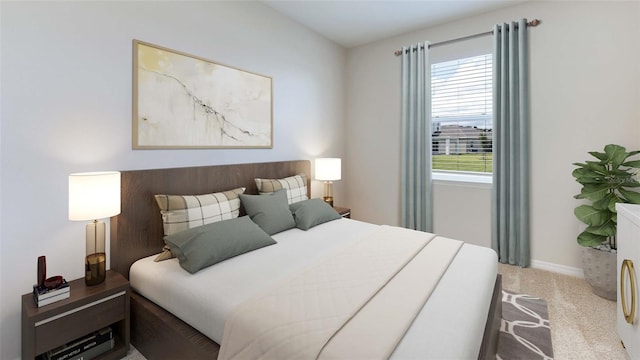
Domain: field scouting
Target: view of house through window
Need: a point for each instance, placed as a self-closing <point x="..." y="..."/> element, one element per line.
<point x="461" y="111"/>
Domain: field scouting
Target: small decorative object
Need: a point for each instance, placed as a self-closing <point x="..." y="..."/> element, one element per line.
<point x="42" y="270"/>
<point x="55" y="289"/>
<point x="94" y="196"/>
<point x="53" y="282"/>
<point x="605" y="182"/>
<point x="185" y="101"/>
<point x="328" y="170"/>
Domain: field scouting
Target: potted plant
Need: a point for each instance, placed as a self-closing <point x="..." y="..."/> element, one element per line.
<point x="605" y="182"/>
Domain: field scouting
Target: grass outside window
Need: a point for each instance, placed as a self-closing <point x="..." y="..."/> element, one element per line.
<point x="476" y="162"/>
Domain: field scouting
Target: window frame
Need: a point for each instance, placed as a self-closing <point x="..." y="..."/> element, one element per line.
<point x="461" y="176"/>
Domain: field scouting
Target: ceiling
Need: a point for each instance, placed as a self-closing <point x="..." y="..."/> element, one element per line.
<point x="356" y="22"/>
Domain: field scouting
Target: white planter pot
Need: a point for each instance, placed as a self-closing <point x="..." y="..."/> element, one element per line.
<point x="600" y="271"/>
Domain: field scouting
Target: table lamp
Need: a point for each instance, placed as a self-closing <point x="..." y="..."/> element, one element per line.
<point x="94" y="196"/>
<point x="328" y="170"/>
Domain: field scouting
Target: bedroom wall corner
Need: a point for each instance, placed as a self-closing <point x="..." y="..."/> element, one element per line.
<point x="66" y="107"/>
<point x="584" y="78"/>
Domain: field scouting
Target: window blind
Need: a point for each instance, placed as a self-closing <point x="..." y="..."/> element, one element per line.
<point x="461" y="112"/>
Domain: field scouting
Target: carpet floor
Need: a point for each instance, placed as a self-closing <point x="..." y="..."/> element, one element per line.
<point x="583" y="325"/>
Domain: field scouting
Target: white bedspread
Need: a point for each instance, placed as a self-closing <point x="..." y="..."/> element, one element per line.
<point x="340" y="307"/>
<point x="450" y="325"/>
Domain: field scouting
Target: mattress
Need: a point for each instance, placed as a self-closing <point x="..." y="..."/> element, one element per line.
<point x="450" y="325"/>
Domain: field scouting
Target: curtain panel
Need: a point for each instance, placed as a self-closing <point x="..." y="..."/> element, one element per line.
<point x="416" y="187"/>
<point x="510" y="194"/>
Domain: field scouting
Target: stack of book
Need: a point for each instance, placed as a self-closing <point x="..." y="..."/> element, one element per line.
<point x="85" y="348"/>
<point x="44" y="296"/>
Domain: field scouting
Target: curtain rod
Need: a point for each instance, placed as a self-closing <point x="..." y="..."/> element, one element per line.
<point x="534" y="22"/>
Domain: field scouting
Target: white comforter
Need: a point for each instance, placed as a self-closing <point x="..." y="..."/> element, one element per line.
<point x="355" y="304"/>
<point x="449" y="326"/>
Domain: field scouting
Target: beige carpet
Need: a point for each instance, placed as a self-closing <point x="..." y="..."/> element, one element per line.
<point x="583" y="325"/>
<point x="134" y="354"/>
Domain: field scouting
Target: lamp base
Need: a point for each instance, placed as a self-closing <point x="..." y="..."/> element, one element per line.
<point x="328" y="192"/>
<point x="328" y="200"/>
<point x="95" y="269"/>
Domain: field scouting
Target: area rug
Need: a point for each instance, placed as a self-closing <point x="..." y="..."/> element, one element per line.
<point x="525" y="331"/>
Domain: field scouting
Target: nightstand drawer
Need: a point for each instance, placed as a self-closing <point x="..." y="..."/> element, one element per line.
<point x="75" y="323"/>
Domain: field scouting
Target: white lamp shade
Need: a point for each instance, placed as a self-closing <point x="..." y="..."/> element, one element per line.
<point x="328" y="169"/>
<point x="94" y="195"/>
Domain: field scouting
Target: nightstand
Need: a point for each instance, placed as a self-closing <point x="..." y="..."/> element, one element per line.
<point x="344" y="212"/>
<point x="88" y="308"/>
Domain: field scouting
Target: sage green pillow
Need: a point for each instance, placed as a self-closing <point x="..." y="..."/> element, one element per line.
<point x="203" y="246"/>
<point x="271" y="212"/>
<point x="312" y="212"/>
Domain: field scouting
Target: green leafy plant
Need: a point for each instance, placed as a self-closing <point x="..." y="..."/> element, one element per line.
<point x="605" y="182"/>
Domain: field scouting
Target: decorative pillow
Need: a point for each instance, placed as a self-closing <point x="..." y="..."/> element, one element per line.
<point x="203" y="246"/>
<point x="312" y="212"/>
<point x="296" y="187"/>
<point x="182" y="212"/>
<point x="271" y="212"/>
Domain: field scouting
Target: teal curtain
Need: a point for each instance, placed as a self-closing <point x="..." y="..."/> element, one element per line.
<point x="510" y="196"/>
<point x="416" y="192"/>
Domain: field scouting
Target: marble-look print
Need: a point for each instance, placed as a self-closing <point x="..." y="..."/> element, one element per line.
<point x="185" y="101"/>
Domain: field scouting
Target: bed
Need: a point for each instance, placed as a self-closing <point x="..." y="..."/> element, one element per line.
<point x="156" y="331"/>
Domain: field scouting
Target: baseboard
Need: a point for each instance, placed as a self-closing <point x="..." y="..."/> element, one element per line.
<point x="556" y="268"/>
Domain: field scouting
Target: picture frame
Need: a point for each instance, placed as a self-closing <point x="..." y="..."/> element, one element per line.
<point x="183" y="101"/>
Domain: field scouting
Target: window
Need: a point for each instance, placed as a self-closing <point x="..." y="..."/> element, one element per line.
<point x="461" y="112"/>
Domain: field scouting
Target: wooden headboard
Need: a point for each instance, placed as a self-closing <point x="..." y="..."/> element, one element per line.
<point x="137" y="232"/>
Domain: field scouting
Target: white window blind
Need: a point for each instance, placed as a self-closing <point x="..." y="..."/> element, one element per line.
<point x="461" y="111"/>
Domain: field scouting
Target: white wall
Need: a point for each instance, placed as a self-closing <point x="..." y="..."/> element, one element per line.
<point x="66" y="107"/>
<point x="468" y="201"/>
<point x="584" y="94"/>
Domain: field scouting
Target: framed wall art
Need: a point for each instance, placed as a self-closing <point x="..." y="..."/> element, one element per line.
<point x="185" y="101"/>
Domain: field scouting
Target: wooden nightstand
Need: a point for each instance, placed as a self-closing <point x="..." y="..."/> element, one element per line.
<point x="88" y="308"/>
<point x="344" y="212"/>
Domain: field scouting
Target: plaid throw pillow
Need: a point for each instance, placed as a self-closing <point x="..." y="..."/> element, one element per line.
<point x="182" y="212"/>
<point x="296" y="187"/>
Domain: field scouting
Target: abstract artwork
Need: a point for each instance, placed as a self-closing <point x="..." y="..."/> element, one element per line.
<point x="184" y="101"/>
